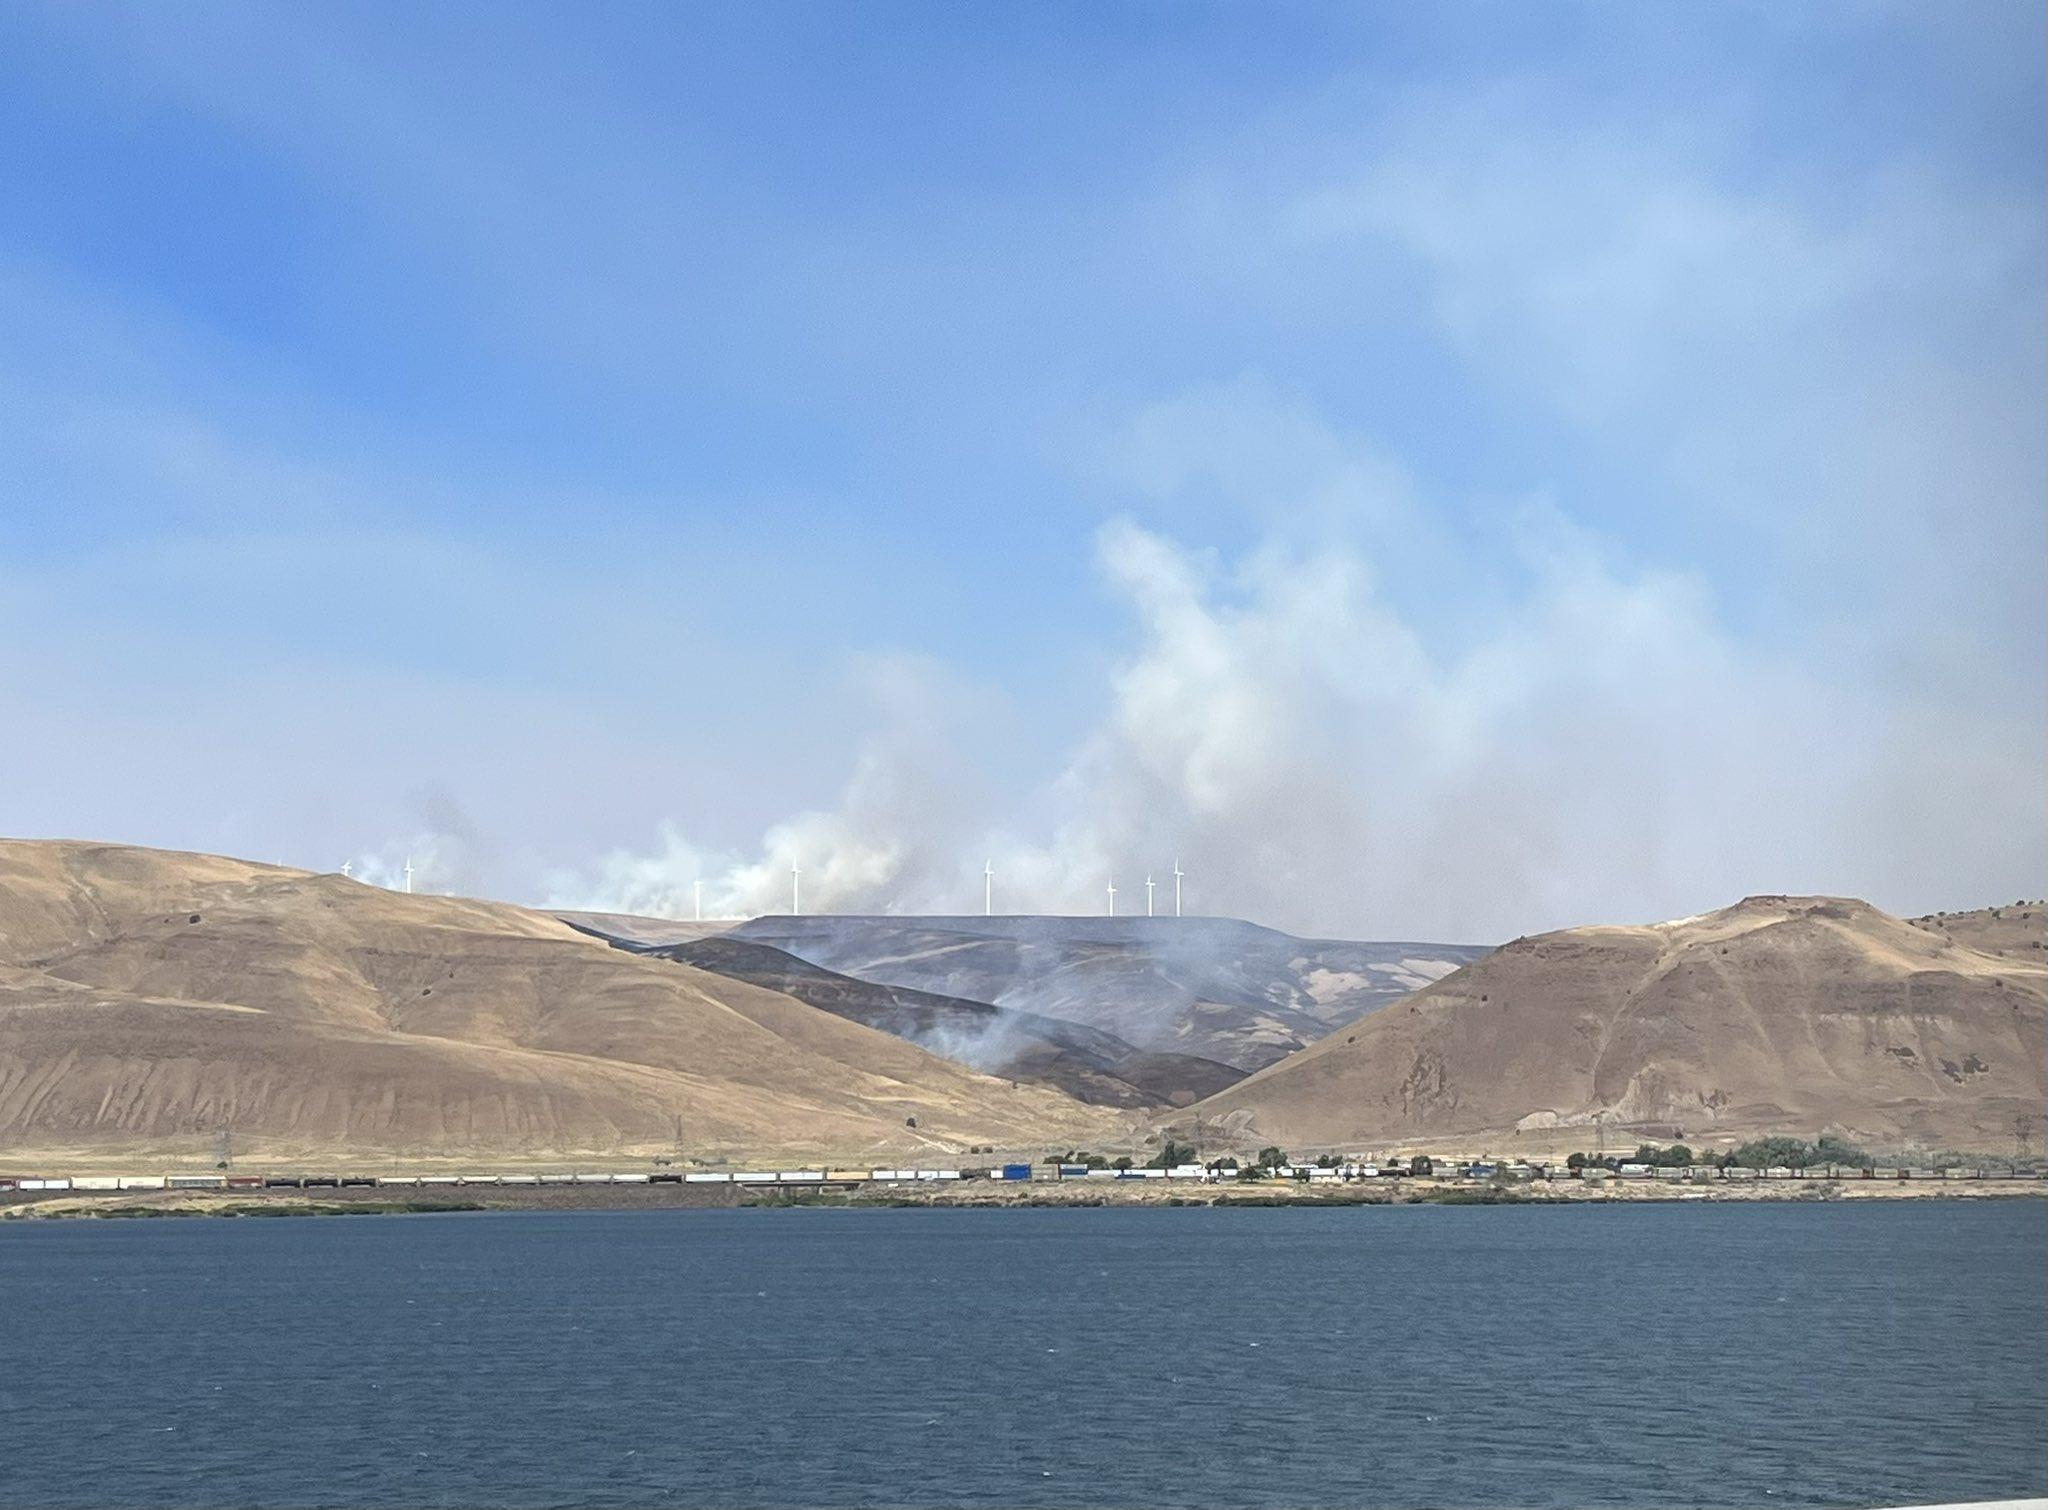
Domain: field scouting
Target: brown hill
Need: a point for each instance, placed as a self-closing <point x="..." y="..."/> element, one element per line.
<point x="2019" y="931"/>
<point x="1777" y="1015"/>
<point x="628" y="930"/>
<point x="148" y="997"/>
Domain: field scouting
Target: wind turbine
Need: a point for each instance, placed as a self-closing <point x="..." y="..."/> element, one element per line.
<point x="697" y="888"/>
<point x="346" y="865"/>
<point x="796" y="895"/>
<point x="408" y="875"/>
<point x="1112" y="896"/>
<point x="988" y="888"/>
<point x="1148" y="893"/>
<point x="1177" y="874"/>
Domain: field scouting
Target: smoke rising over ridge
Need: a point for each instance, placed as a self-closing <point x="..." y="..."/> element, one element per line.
<point x="1596" y="745"/>
<point x="1431" y="482"/>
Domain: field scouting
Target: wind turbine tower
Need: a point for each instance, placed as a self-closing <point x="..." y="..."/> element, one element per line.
<point x="988" y="888"/>
<point x="1177" y="874"/>
<point x="408" y="875"/>
<point x="1148" y="893"/>
<point x="1112" y="896"/>
<point x="346" y="866"/>
<point x="697" y="890"/>
<point x="796" y="895"/>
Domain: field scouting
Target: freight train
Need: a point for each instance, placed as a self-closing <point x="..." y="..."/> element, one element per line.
<point x="23" y="1184"/>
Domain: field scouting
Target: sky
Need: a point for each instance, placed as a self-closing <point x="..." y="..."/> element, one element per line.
<point x="1437" y="472"/>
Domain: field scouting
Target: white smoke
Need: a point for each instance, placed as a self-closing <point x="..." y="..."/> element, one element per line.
<point x="1595" y="746"/>
<point x="448" y="852"/>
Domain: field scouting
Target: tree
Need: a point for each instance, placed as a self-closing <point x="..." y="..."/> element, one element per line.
<point x="1575" y="1161"/>
<point x="1271" y="1157"/>
<point x="1834" y="1150"/>
<point x="1173" y="1154"/>
<point x="1421" y="1164"/>
<point x="1121" y="1163"/>
<point x="1768" y="1153"/>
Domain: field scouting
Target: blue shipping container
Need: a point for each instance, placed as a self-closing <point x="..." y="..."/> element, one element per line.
<point x="1015" y="1172"/>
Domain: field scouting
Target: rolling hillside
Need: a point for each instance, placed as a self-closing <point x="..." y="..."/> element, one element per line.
<point x="1086" y="1063"/>
<point x="2016" y="932"/>
<point x="148" y="998"/>
<point x="1776" y="1015"/>
<point x="1214" y="988"/>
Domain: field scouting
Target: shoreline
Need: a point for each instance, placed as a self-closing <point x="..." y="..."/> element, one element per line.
<point x="1043" y="1195"/>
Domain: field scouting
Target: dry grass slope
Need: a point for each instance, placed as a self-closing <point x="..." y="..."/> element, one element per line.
<point x="147" y="997"/>
<point x="1779" y="1014"/>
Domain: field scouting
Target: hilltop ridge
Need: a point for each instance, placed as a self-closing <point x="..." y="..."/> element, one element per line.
<point x="148" y="997"/>
<point x="1776" y="1014"/>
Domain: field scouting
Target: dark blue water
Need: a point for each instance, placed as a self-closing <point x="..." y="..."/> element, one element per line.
<point x="1632" y="1355"/>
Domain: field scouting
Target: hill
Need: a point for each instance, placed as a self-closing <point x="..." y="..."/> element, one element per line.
<point x="2016" y="932"/>
<point x="629" y="929"/>
<point x="1776" y="1015"/>
<point x="148" y="997"/>
<point x="1213" y="988"/>
<point x="1085" y="1063"/>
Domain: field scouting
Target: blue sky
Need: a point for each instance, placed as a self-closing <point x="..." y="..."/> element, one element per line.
<point x="1445" y="469"/>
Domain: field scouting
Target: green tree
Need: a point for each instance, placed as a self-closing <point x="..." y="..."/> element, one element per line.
<point x="1767" y="1153"/>
<point x="1833" y="1150"/>
<point x="1271" y="1157"/>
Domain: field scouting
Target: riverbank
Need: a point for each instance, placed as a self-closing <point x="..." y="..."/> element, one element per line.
<point x="983" y="1195"/>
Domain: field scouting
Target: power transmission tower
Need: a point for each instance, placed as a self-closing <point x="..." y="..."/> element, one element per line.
<point x="223" y="1146"/>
